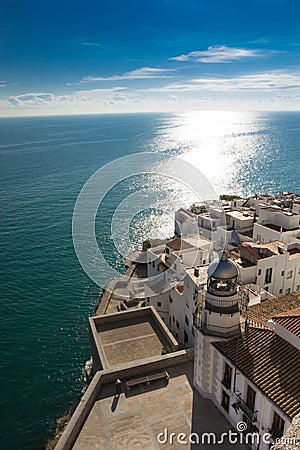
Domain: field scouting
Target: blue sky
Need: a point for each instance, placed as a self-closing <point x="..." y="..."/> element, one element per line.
<point x="94" y="56"/>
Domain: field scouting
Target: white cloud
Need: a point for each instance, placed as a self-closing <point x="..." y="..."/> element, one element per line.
<point x="142" y="73"/>
<point x="218" y="54"/>
<point x="92" y="44"/>
<point x="96" y="93"/>
<point x="257" y="82"/>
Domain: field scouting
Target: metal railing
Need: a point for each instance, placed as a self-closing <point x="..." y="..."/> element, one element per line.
<point x="213" y="330"/>
<point x="252" y="415"/>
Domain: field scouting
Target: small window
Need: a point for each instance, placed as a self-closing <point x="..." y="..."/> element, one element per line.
<point x="187" y="305"/>
<point x="158" y="304"/>
<point x="186" y="320"/>
<point x="250" y="398"/>
<point x="176" y="335"/>
<point x="170" y="299"/>
<point x="282" y="273"/>
<point x="289" y="274"/>
<point x="280" y="291"/>
<point x="288" y="291"/>
<point x="204" y="261"/>
<point x="277" y="427"/>
<point x="298" y="287"/>
<point x="177" y="324"/>
<point x="268" y="277"/>
<point x="225" y="401"/>
<point x="167" y="250"/>
<point x="259" y="272"/>
<point x="173" y="318"/>
<point x="227" y="375"/>
<point x="186" y="338"/>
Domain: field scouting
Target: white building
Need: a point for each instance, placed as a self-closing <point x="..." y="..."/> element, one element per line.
<point x="251" y="374"/>
<point x="274" y="266"/>
<point x="176" y="273"/>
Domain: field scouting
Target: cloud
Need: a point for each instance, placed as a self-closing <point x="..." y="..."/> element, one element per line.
<point x="93" y="93"/>
<point x="273" y="81"/>
<point x="260" y="41"/>
<point x="33" y="100"/>
<point x="92" y="44"/>
<point x="142" y="73"/>
<point x="218" y="54"/>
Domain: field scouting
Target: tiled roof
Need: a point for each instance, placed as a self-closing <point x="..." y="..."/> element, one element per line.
<point x="291" y="313"/>
<point x="267" y="309"/>
<point x="270" y="362"/>
<point x="290" y="320"/>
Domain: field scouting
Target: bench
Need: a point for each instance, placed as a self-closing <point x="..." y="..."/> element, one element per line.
<point x="144" y="381"/>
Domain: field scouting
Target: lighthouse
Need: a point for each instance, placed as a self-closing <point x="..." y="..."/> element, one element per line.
<point x="217" y="318"/>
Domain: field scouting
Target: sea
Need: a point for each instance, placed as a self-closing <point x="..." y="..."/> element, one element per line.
<point x="46" y="293"/>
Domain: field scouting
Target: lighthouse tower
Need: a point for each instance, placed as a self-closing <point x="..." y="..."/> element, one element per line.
<point x="217" y="317"/>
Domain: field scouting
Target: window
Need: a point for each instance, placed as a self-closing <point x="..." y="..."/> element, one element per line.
<point x="259" y="272"/>
<point x="280" y="291"/>
<point x="298" y="287"/>
<point x="170" y="299"/>
<point x="268" y="276"/>
<point x="225" y="401"/>
<point x="167" y="250"/>
<point x="204" y="261"/>
<point x="250" y="400"/>
<point x="177" y="324"/>
<point x="176" y="335"/>
<point x="282" y="273"/>
<point x="186" y="338"/>
<point x="187" y="305"/>
<point x="288" y="291"/>
<point x="158" y="304"/>
<point x="227" y="376"/>
<point x="186" y="320"/>
<point x="173" y="318"/>
<point x="277" y="426"/>
<point x="289" y="274"/>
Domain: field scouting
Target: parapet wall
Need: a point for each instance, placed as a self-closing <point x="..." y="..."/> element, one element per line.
<point x="136" y="368"/>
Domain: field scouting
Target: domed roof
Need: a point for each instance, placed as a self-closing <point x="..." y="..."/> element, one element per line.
<point x="222" y="268"/>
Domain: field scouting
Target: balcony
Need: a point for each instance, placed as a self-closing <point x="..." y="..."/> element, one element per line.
<point x="221" y="307"/>
<point x="242" y="405"/>
<point x="212" y="330"/>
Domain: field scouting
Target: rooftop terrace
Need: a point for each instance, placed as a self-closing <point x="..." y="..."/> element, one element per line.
<point x="128" y="336"/>
<point x="134" y="419"/>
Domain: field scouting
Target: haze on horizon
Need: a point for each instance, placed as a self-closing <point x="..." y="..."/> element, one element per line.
<point x="167" y="55"/>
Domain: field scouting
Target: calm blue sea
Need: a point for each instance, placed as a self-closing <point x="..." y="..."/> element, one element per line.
<point x="45" y="295"/>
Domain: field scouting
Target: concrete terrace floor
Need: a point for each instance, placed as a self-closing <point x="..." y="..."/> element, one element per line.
<point x="133" y="339"/>
<point x="133" y="421"/>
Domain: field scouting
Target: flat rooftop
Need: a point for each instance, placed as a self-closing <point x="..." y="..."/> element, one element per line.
<point x="129" y="336"/>
<point x="134" y="420"/>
